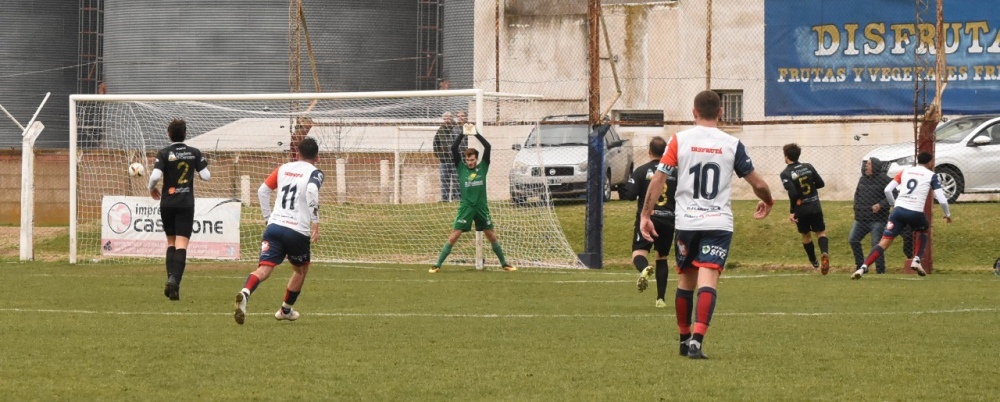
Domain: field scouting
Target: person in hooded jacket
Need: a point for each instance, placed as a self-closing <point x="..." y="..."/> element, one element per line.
<point x="871" y="210"/>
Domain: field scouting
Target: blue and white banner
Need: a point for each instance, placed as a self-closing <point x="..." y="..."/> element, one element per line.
<point x="864" y="57"/>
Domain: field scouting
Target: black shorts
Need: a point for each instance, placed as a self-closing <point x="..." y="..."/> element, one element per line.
<point x="665" y="230"/>
<point x="177" y="221"/>
<point x="810" y="223"/>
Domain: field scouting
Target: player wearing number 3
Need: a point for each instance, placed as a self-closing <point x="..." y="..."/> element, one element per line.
<point x="917" y="182"/>
<point x="704" y="159"/>
<point x="291" y="227"/>
<point x="473" y="207"/>
<point x="176" y="164"/>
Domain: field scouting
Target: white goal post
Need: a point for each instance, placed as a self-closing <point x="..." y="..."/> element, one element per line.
<point x="381" y="201"/>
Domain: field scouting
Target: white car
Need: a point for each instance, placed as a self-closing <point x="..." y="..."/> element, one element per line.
<point x="966" y="155"/>
<point x="555" y="155"/>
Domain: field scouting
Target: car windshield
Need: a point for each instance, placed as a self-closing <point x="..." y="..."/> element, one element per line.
<point x="557" y="135"/>
<point x="954" y="131"/>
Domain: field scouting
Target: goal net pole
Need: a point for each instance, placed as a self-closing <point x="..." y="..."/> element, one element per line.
<point x="380" y="201"/>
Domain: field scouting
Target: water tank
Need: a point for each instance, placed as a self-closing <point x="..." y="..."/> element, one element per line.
<point x="241" y="46"/>
<point x="38" y="54"/>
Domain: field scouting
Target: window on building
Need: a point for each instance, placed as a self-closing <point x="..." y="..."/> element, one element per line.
<point x="652" y="118"/>
<point x="732" y="105"/>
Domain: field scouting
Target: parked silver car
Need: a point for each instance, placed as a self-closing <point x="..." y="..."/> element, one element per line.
<point x="966" y="156"/>
<point x="555" y="155"/>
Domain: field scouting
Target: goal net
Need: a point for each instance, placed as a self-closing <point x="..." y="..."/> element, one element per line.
<point x="385" y="198"/>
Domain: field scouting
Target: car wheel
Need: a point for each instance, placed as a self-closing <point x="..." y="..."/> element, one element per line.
<point x="606" y="193"/>
<point x="951" y="182"/>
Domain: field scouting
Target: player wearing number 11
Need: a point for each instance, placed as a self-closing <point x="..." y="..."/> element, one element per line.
<point x="704" y="159"/>
<point x="176" y="164"/>
<point x="291" y="227"/>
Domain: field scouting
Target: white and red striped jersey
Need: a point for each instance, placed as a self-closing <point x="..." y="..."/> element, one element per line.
<point x="914" y="183"/>
<point x="705" y="159"/>
<point x="297" y="204"/>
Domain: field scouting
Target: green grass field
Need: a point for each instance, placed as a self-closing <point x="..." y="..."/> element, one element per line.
<point x="99" y="332"/>
<point x="781" y="331"/>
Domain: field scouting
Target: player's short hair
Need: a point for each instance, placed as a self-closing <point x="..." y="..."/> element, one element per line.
<point x="792" y="151"/>
<point x="657" y="146"/>
<point x="924" y="157"/>
<point x="308" y="148"/>
<point x="471" y="151"/>
<point x="707" y="104"/>
<point x="177" y="130"/>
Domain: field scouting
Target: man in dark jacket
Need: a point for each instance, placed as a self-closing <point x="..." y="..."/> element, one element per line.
<point x="445" y="135"/>
<point x="871" y="210"/>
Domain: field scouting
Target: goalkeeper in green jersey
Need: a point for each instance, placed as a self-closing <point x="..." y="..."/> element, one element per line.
<point x="473" y="207"/>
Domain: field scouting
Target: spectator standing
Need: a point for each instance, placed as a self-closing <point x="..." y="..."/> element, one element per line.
<point x="443" y="138"/>
<point x="871" y="211"/>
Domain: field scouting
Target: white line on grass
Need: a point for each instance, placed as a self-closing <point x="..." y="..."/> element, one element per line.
<point x="489" y="316"/>
<point x="673" y="278"/>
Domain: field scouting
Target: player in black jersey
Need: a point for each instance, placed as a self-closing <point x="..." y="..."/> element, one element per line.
<point x="176" y="165"/>
<point x="663" y="221"/>
<point x="802" y="182"/>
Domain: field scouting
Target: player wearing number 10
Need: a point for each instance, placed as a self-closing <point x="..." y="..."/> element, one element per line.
<point x="291" y="227"/>
<point x="176" y="164"/>
<point x="704" y="159"/>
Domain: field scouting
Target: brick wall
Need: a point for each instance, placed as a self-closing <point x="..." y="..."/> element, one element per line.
<point x="51" y="187"/>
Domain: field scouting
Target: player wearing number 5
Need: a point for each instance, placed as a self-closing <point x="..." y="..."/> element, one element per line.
<point x="176" y="165"/>
<point x="704" y="159"/>
<point x="473" y="207"/>
<point x="917" y="181"/>
<point x="291" y="227"/>
<point x="803" y="182"/>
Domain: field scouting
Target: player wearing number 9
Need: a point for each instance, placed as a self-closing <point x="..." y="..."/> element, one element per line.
<point x="176" y="164"/>
<point x="918" y="182"/>
<point x="704" y="159"/>
<point x="292" y="226"/>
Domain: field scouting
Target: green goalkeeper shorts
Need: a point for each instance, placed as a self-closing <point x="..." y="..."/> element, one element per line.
<point x="467" y="214"/>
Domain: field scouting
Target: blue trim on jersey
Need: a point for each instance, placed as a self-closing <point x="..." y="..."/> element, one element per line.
<point x="935" y="183"/>
<point x="317" y="178"/>
<point x="742" y="164"/>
